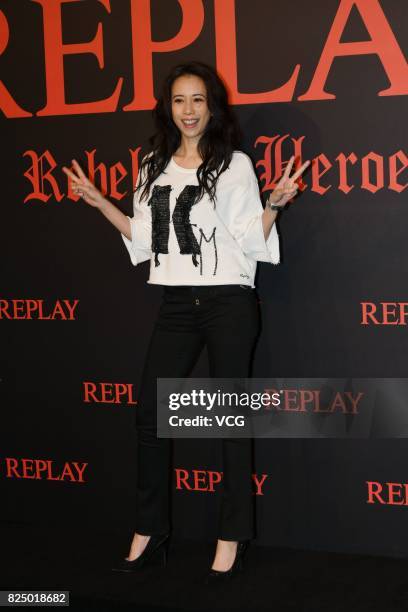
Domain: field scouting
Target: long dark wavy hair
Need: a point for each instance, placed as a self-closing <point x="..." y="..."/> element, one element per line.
<point x="221" y="137"/>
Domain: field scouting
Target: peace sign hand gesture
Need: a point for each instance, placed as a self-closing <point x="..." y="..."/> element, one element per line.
<point x="82" y="186"/>
<point x="287" y="187"/>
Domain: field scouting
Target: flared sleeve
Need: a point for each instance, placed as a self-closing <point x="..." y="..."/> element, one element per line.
<point x="139" y="246"/>
<point x="245" y="222"/>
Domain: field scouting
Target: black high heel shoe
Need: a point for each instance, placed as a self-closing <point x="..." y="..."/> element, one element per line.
<point x="155" y="552"/>
<point x="217" y="576"/>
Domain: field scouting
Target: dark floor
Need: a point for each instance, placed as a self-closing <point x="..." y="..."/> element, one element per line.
<point x="274" y="579"/>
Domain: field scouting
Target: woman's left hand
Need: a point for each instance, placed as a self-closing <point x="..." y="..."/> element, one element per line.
<point x="287" y="187"/>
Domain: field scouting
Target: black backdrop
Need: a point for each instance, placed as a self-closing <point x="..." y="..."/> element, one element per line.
<point x="341" y="249"/>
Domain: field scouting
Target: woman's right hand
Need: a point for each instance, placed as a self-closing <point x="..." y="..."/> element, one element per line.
<point x="82" y="186"/>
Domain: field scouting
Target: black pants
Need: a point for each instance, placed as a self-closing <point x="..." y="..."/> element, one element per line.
<point x="225" y="318"/>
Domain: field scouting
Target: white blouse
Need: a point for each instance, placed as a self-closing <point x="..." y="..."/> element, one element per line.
<point x="201" y="244"/>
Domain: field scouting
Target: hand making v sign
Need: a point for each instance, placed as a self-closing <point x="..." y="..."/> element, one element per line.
<point x="287" y="187"/>
<point x="82" y="186"/>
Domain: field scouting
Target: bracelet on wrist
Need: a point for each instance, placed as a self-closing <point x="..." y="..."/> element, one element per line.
<point x="274" y="206"/>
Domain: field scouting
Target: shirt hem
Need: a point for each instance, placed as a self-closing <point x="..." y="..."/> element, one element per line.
<point x="195" y="283"/>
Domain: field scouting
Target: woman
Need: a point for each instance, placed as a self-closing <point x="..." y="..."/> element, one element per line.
<point x="199" y="218"/>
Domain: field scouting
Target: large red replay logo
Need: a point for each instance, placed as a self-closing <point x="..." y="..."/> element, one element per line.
<point x="382" y="43"/>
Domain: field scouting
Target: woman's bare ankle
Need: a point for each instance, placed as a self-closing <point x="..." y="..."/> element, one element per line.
<point x="137" y="546"/>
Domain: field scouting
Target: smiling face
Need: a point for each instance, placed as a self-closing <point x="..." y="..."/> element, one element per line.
<point x="189" y="106"/>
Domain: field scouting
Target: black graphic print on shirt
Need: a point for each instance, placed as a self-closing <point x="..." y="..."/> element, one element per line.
<point x="159" y="203"/>
<point x="188" y="245"/>
<point x="212" y="237"/>
<point x="181" y="221"/>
